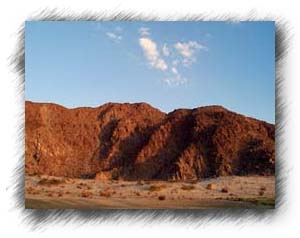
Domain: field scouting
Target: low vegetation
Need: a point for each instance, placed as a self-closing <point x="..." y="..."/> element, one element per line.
<point x="224" y="190"/>
<point x="187" y="187"/>
<point x="156" y="187"/>
<point x="105" y="193"/>
<point x="235" y="191"/>
<point x="86" y="194"/>
<point x="162" y="197"/>
<point x="211" y="186"/>
<point x="51" y="181"/>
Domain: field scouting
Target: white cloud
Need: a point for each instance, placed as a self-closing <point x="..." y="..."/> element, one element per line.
<point x="113" y="36"/>
<point x="187" y="51"/>
<point x="144" y="31"/>
<point x="183" y="54"/>
<point x="152" y="54"/>
<point x="166" y="50"/>
<point x="174" y="70"/>
<point x="188" y="61"/>
<point x="174" y="81"/>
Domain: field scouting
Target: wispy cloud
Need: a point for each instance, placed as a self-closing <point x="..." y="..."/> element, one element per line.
<point x="174" y="80"/>
<point x="115" y="35"/>
<point x="144" y="31"/>
<point x="177" y="78"/>
<point x="169" y="58"/>
<point x="174" y="70"/>
<point x="163" y="56"/>
<point x="151" y="53"/>
<point x="187" y="51"/>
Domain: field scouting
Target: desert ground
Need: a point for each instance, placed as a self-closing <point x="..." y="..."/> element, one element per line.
<point x="222" y="192"/>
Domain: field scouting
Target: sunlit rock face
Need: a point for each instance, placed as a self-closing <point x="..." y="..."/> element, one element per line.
<point x="137" y="141"/>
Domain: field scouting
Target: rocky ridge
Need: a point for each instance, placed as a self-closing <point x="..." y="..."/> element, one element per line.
<point x="137" y="141"/>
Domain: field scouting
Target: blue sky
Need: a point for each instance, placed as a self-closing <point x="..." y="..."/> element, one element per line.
<point x="169" y="65"/>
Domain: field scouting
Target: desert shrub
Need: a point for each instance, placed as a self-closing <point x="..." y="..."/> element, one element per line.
<point x="162" y="197"/>
<point x="263" y="188"/>
<point x="224" y="190"/>
<point x="105" y="194"/>
<point x="88" y="176"/>
<point x="192" y="181"/>
<point x="211" y="186"/>
<point x="50" y="181"/>
<point x="187" y="187"/>
<point x="156" y="187"/>
<point x="86" y="194"/>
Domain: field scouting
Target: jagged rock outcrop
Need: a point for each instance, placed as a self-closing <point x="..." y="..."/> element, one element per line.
<point x="137" y="141"/>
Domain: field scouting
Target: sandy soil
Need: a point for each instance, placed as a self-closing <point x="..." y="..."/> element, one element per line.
<point x="233" y="191"/>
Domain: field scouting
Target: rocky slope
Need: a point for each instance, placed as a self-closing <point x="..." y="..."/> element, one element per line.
<point x="137" y="141"/>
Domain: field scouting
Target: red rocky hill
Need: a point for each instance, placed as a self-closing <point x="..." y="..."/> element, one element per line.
<point x="137" y="141"/>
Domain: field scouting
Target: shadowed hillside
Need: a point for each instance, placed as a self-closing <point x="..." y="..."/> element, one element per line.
<point x="137" y="141"/>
